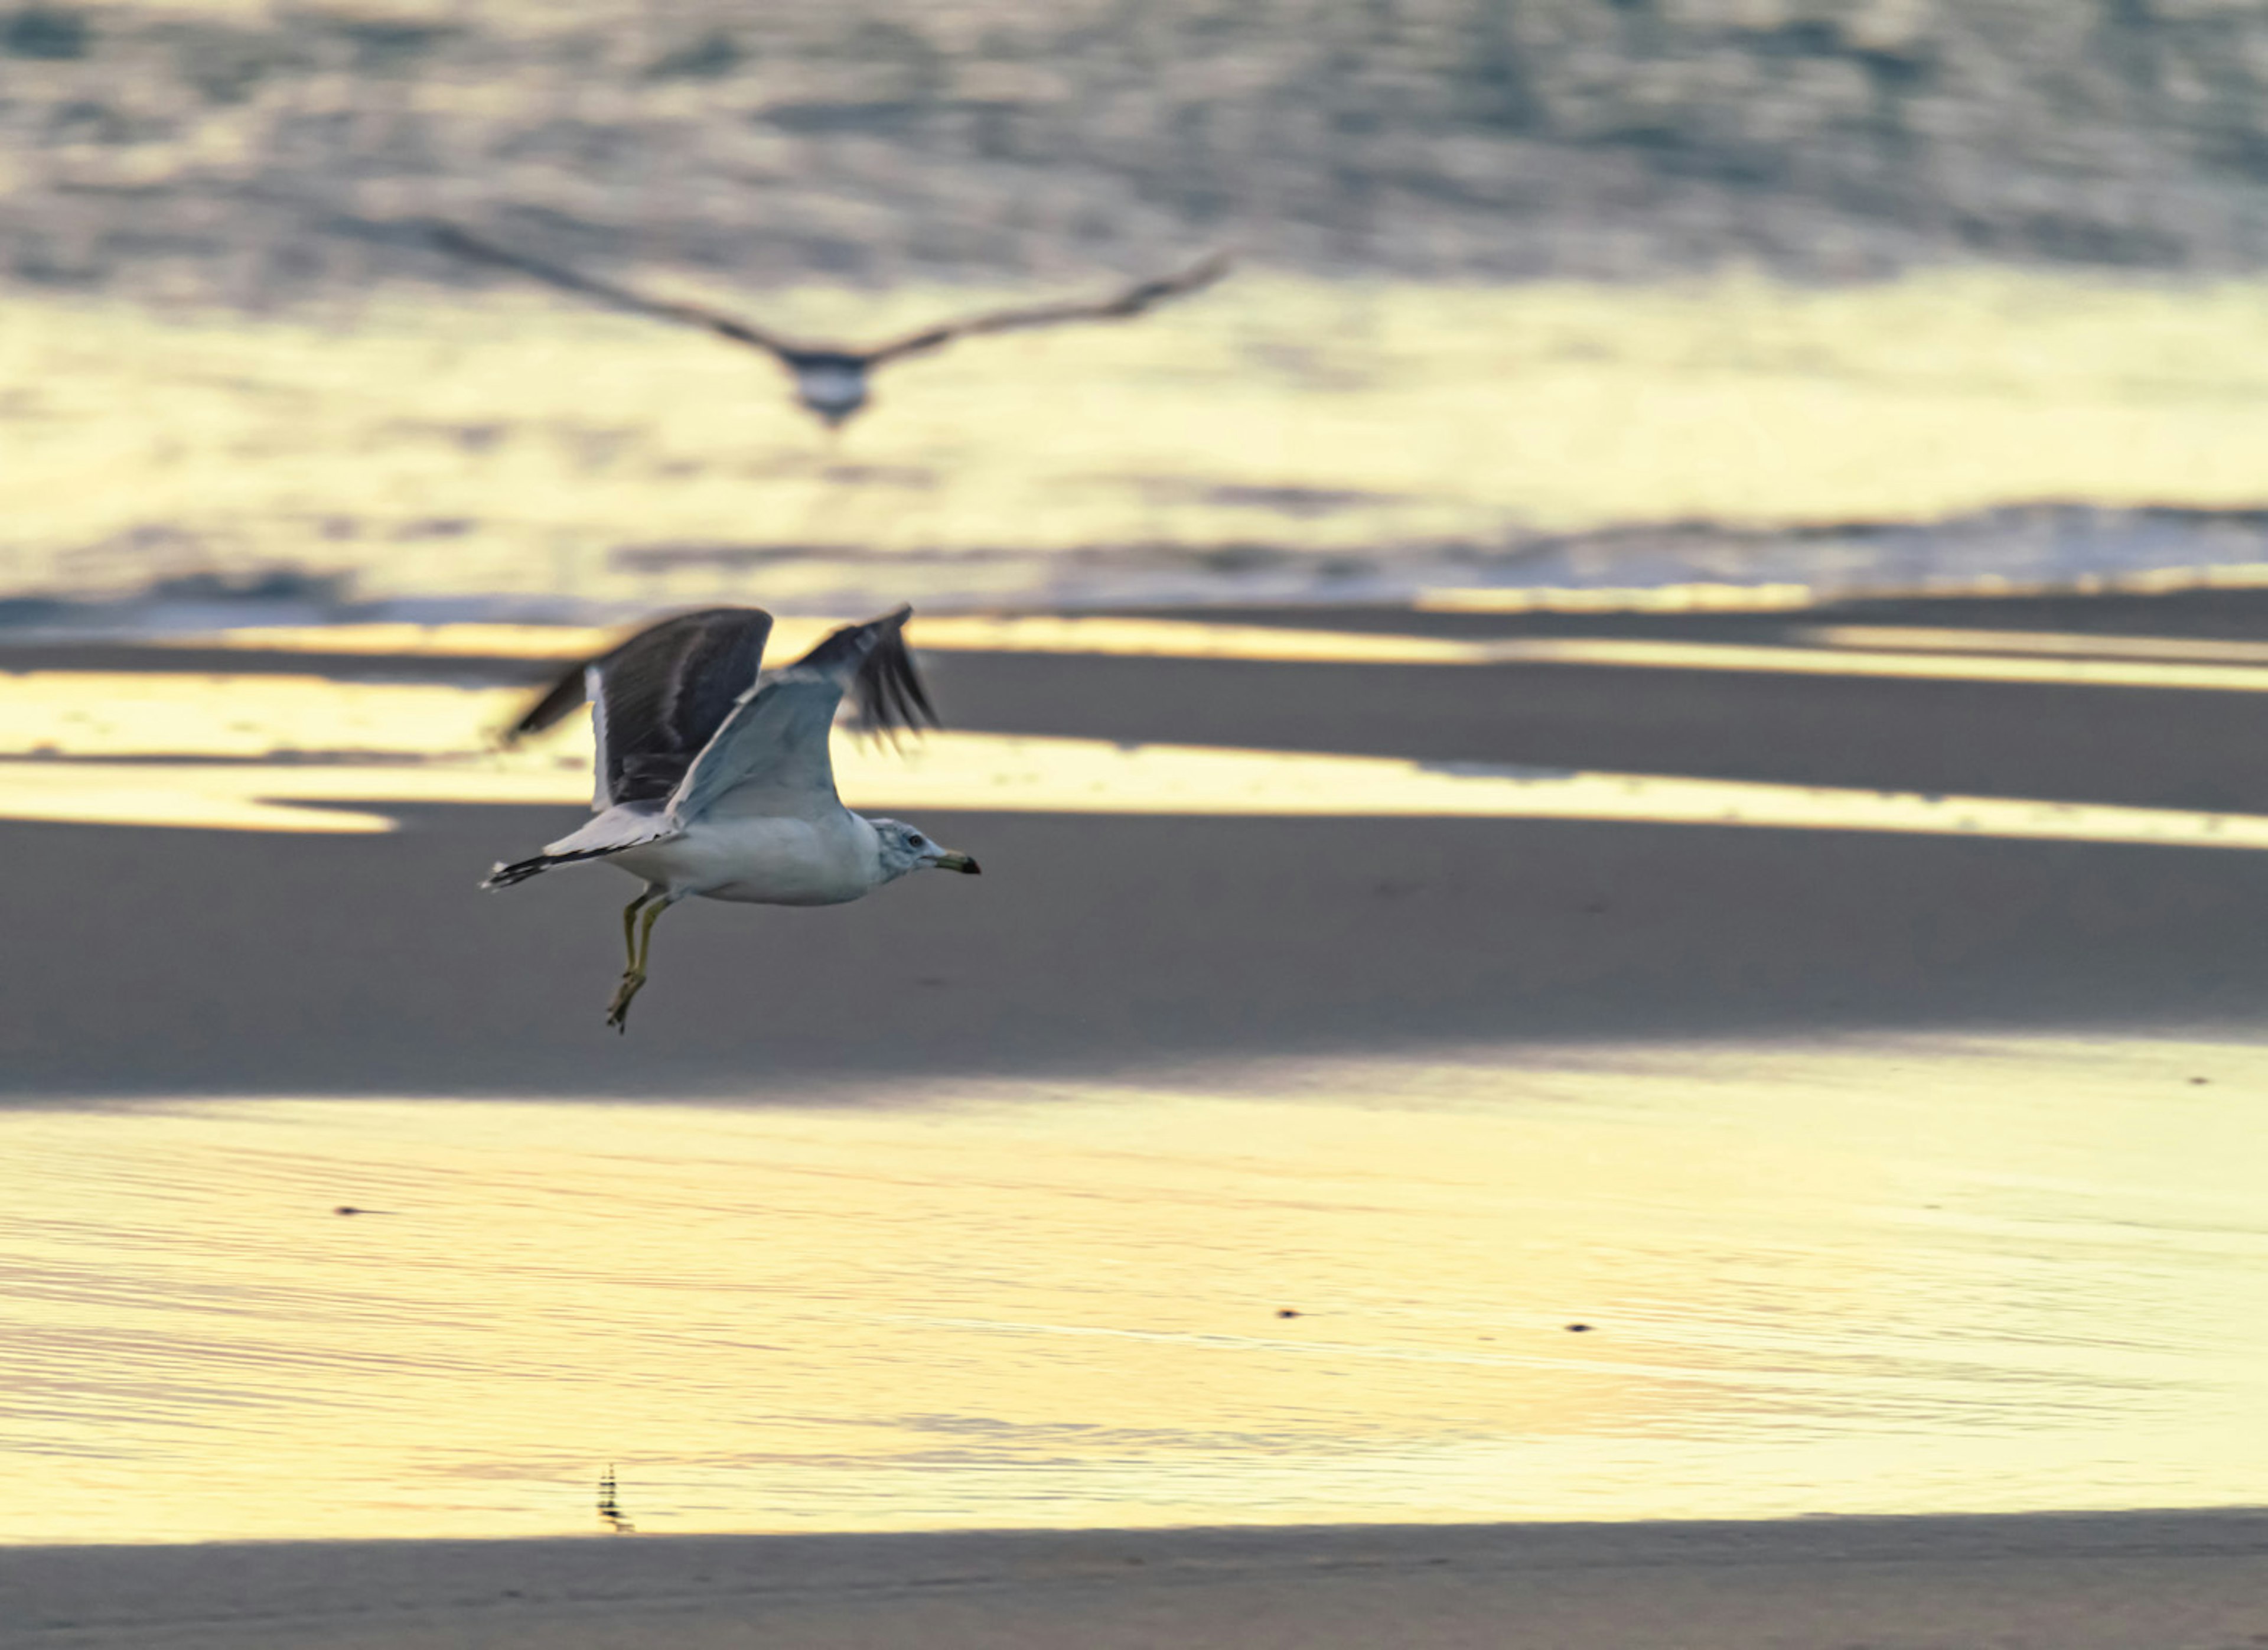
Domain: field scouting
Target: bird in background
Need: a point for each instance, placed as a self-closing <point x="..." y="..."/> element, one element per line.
<point x="713" y="777"/>
<point x="832" y="381"/>
<point x="610" y="1506"/>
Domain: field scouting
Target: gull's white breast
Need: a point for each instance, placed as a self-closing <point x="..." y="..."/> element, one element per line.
<point x="769" y="860"/>
<point x="831" y="386"/>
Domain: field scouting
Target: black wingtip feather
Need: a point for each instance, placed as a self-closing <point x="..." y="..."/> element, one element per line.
<point x="886" y="693"/>
<point x="561" y="696"/>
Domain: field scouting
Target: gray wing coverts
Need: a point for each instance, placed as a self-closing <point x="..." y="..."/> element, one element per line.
<point x="776" y="741"/>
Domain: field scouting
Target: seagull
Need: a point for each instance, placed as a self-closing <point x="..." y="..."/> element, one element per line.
<point x="712" y="777"/>
<point x="831" y="380"/>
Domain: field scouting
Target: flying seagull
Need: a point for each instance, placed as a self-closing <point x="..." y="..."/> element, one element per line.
<point x="713" y="777"/>
<point x="830" y="380"/>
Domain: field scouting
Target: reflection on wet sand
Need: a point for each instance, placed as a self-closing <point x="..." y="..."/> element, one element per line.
<point x="1713" y="597"/>
<point x="51" y="714"/>
<point x="1003" y="773"/>
<point x="1916" y="1277"/>
<point x="1934" y="639"/>
<point x="1938" y="655"/>
<point x="109" y="748"/>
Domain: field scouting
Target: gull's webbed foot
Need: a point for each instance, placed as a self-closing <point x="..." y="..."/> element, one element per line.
<point x="618" y="1011"/>
<point x="645" y="909"/>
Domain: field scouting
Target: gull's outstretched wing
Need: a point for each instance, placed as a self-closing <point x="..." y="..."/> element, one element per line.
<point x="657" y="699"/>
<point x="772" y="754"/>
<point x="1131" y="302"/>
<point x="451" y="239"/>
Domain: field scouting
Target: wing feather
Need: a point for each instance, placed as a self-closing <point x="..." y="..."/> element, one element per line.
<point x="554" y="703"/>
<point x="660" y="696"/>
<point x="776" y="741"/>
<point x="1133" y="301"/>
<point x="602" y="761"/>
<point x="451" y="239"/>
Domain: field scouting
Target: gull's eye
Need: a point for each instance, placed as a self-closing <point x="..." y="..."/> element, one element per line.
<point x="916" y="841"/>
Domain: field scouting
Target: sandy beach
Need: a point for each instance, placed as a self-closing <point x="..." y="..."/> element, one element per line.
<point x="1617" y="995"/>
<point x="2125" y="1581"/>
<point x="1889" y="1170"/>
<point x="258" y="962"/>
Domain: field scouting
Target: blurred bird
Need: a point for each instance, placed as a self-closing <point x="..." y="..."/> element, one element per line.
<point x="714" y="780"/>
<point x="831" y="380"/>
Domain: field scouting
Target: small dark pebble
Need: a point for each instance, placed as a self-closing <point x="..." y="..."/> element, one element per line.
<point x="1285" y="1312"/>
<point x="2200" y="1079"/>
<point x="1579" y="1329"/>
<point x="346" y="1208"/>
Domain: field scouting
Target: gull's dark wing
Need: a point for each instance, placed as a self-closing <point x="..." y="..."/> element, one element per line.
<point x="886" y="693"/>
<point x="451" y="239"/>
<point x="661" y="696"/>
<point x="1131" y="302"/>
<point x="772" y="754"/>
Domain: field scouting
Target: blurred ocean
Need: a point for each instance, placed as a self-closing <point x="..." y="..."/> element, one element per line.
<point x="1569" y="295"/>
<point x="511" y="453"/>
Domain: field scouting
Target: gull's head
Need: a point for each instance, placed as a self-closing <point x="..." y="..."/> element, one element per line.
<point x="905" y="849"/>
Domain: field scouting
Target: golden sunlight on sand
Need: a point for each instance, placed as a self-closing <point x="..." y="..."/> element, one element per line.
<point x="1849" y="650"/>
<point x="1927" y="1276"/>
<point x="988" y="773"/>
<point x="91" y="746"/>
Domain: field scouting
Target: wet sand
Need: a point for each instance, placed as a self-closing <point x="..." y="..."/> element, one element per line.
<point x="179" y="962"/>
<point x="2114" y="1581"/>
<point x="171" y="961"/>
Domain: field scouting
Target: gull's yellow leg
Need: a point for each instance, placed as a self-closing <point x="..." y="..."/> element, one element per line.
<point x="629" y="919"/>
<point x="645" y="932"/>
<point x="634" y="978"/>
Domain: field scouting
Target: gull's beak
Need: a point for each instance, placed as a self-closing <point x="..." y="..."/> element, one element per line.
<point x="962" y="862"/>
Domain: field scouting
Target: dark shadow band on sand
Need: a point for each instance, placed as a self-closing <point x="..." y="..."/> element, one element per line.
<point x="2143" y="1580"/>
<point x="181" y="961"/>
<point x="169" y="962"/>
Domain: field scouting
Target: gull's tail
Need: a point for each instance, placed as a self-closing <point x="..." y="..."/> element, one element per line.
<point x="624" y="826"/>
<point x="519" y="871"/>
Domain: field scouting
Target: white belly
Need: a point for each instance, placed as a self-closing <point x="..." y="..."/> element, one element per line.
<point x="831" y="386"/>
<point x="771" y="861"/>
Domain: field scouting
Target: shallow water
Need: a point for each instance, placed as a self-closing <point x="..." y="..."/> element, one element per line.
<point x="518" y="446"/>
<point x="1922" y="1276"/>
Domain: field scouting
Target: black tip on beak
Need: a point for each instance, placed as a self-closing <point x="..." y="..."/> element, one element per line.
<point x="972" y="869"/>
